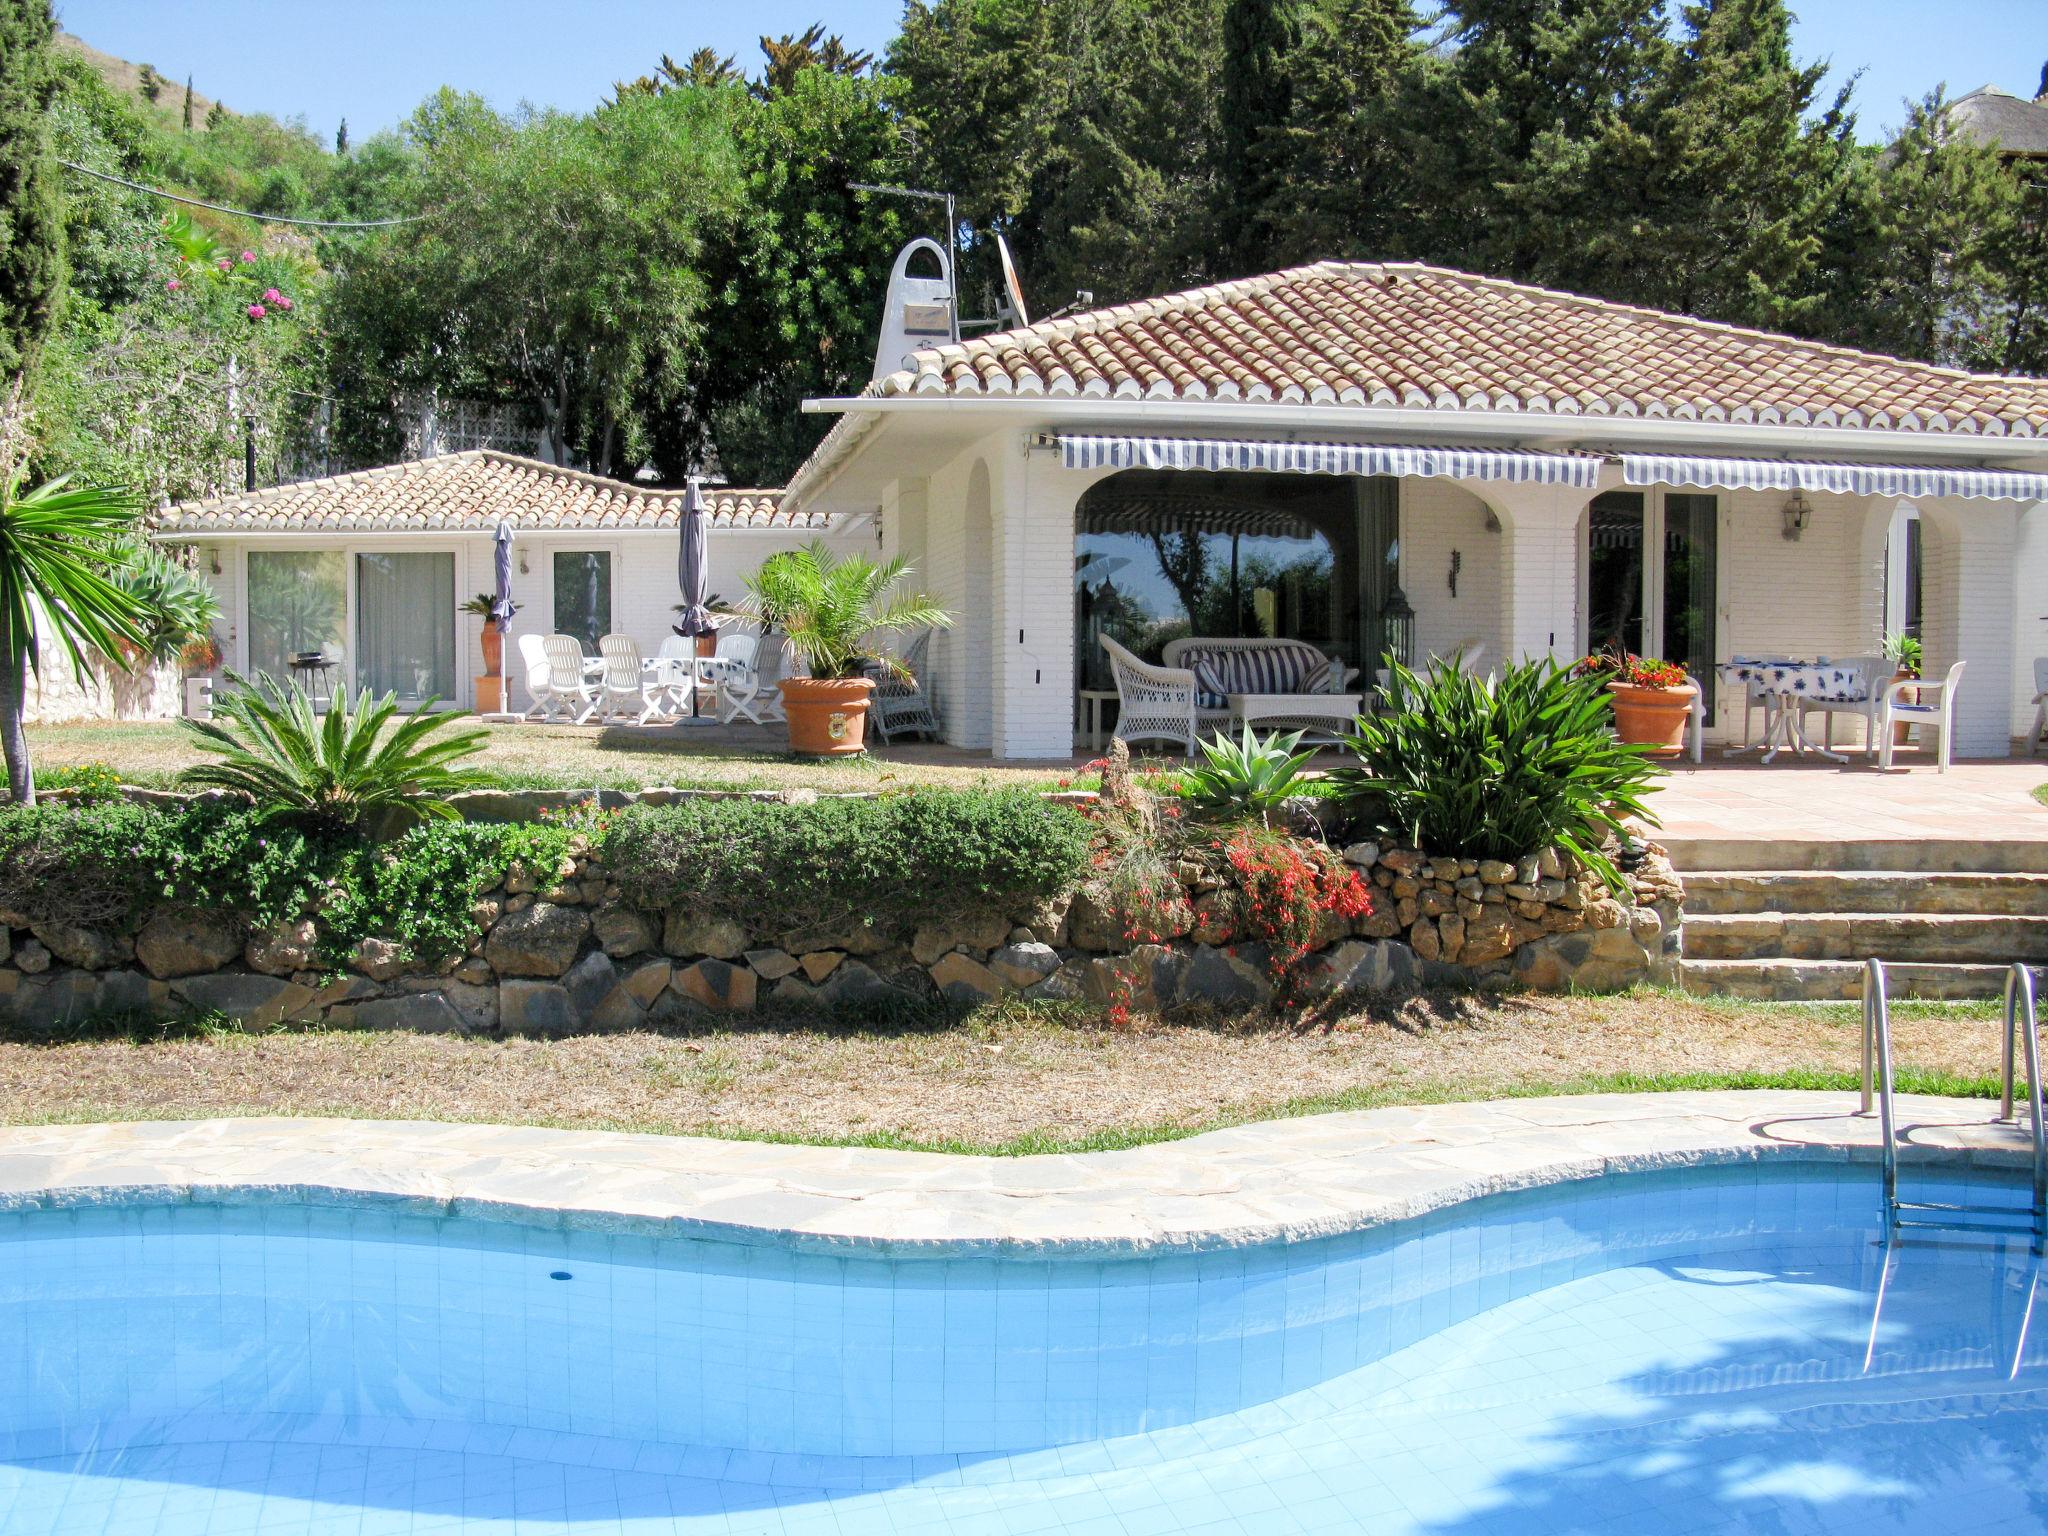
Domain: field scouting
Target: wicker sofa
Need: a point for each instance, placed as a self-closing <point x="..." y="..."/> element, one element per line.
<point x="1170" y="703"/>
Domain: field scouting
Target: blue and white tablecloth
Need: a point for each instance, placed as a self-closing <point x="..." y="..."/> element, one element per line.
<point x="1823" y="679"/>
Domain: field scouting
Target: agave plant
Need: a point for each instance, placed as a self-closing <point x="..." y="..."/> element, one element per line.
<point x="174" y="607"/>
<point x="1496" y="771"/>
<point x="340" y="772"/>
<point x="1253" y="773"/>
<point x="828" y="607"/>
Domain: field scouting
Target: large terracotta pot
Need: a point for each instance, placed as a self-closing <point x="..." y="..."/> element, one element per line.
<point x="1656" y="717"/>
<point x="494" y="648"/>
<point x="1902" y="731"/>
<point x="828" y="716"/>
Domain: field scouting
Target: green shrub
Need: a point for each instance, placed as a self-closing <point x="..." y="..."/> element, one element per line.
<point x="87" y="783"/>
<point x="793" y="869"/>
<point x="89" y="866"/>
<point x="1495" y="771"/>
<point x="1253" y="776"/>
<point x="418" y="888"/>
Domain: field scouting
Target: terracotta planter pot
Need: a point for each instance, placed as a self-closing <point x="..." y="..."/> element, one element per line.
<point x="828" y="716"/>
<point x="494" y="649"/>
<point x="1902" y="733"/>
<point x="707" y="645"/>
<point x="1656" y="717"/>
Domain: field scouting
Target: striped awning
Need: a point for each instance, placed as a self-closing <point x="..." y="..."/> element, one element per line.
<point x="1228" y="454"/>
<point x="1843" y="479"/>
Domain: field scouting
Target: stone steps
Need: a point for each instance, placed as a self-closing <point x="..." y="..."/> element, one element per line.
<point x="1691" y="855"/>
<point x="1899" y="938"/>
<point x="1840" y="980"/>
<point x="1721" y="892"/>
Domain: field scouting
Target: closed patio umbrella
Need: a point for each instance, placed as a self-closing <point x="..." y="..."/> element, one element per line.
<point x="501" y="605"/>
<point x="693" y="575"/>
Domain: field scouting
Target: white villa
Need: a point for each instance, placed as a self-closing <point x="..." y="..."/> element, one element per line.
<point x="1536" y="472"/>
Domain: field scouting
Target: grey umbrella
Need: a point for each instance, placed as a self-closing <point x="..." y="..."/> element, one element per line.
<point x="693" y="575"/>
<point x="502" y="608"/>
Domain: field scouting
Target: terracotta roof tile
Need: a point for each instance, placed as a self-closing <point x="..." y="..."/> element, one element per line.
<point x="470" y="493"/>
<point x="1428" y="338"/>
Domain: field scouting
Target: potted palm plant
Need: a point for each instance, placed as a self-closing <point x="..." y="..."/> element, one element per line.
<point x="829" y="609"/>
<point x="1903" y="651"/>
<point x="1652" y="699"/>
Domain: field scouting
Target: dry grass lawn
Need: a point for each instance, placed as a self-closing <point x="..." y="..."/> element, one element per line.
<point x="153" y="753"/>
<point x="1008" y="1080"/>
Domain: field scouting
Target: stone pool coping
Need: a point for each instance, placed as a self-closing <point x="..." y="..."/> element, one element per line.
<point x="1276" y="1180"/>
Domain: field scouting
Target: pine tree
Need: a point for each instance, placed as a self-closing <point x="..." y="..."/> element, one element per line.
<point x="187" y="115"/>
<point x="215" y="116"/>
<point x="1262" y="42"/>
<point x="152" y="84"/>
<point x="31" y="200"/>
<point x="341" y="138"/>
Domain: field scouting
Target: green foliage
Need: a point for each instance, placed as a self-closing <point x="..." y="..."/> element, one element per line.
<point x="1262" y="42"/>
<point x="1253" y="775"/>
<point x="419" y="887"/>
<point x="1496" y="770"/>
<point x="31" y="200"/>
<point x="86" y="783"/>
<point x="789" y="869"/>
<point x="830" y="606"/>
<point x="173" y="606"/>
<point x="358" y="764"/>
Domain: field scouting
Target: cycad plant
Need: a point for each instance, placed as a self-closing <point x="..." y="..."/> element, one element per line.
<point x="1254" y="775"/>
<point x="828" y="607"/>
<point x="1498" y="769"/>
<point x="57" y="545"/>
<point x="341" y="773"/>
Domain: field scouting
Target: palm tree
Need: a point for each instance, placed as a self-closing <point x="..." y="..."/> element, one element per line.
<point x="57" y="544"/>
<point x="830" y="608"/>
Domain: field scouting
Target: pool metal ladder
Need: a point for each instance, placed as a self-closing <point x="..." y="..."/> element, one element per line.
<point x="2022" y="1035"/>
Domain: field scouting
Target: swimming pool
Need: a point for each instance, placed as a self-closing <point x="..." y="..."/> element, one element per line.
<point x="1682" y="1351"/>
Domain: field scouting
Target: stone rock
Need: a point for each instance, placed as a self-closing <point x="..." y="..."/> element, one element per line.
<point x="1605" y="913"/>
<point x="1091" y="925"/>
<point x="535" y="1008"/>
<point x="1403" y="861"/>
<point x="282" y="948"/>
<point x="1406" y="911"/>
<point x="1528" y="870"/>
<point x="772" y="964"/>
<point x="1422" y="938"/>
<point x="476" y="971"/>
<point x="1047" y="919"/>
<point x="343" y="989"/>
<point x="1364" y="855"/>
<point x="425" y="1012"/>
<point x="963" y="979"/>
<point x="1574" y="897"/>
<point x="619" y="1011"/>
<point x="1404" y="888"/>
<point x="253" y="1001"/>
<point x="1023" y="965"/>
<point x="484" y="911"/>
<point x="1132" y="980"/>
<point x="1519" y="892"/>
<point x="87" y="948"/>
<point x="1550" y="864"/>
<point x="622" y="931"/>
<point x="1379" y="923"/>
<point x="1222" y="980"/>
<point x="859" y="938"/>
<point x="1450" y="931"/>
<point x="1539" y="967"/>
<point x="1215" y="917"/>
<point x="1495" y="872"/>
<point x="540" y="940"/>
<point x="1490" y="936"/>
<point x="1560" y="920"/>
<point x="982" y="931"/>
<point x="1644" y="925"/>
<point x="1531" y="911"/>
<point x="1435" y="903"/>
<point x="476" y="1005"/>
<point x="856" y="983"/>
<point x="791" y="993"/>
<point x="590" y="981"/>
<point x="1068" y="984"/>
<point x="1469" y="887"/>
<point x="186" y="942"/>
<point x="646" y="981"/>
<point x="31" y="957"/>
<point x="378" y="959"/>
<point x="714" y="984"/>
<point x="1358" y="967"/>
<point x="686" y="933"/>
<point x="820" y="963"/>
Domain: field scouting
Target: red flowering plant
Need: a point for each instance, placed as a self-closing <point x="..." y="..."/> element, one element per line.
<point x="1631" y="670"/>
<point x="1287" y="890"/>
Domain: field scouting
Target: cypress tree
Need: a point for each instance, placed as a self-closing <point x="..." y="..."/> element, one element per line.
<point x="1262" y="41"/>
<point x="31" y="201"/>
<point x="188" y="104"/>
<point x="341" y="138"/>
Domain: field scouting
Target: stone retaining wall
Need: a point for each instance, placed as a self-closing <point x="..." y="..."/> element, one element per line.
<point x="559" y="951"/>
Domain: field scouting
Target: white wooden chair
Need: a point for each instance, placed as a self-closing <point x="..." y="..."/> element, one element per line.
<point x="1153" y="703"/>
<point x="1937" y="713"/>
<point x="568" y="679"/>
<point x="901" y="702"/>
<point x="626" y="685"/>
<point x="2040" y="705"/>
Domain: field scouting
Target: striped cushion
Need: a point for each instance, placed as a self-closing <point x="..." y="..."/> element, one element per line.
<point x="1221" y="670"/>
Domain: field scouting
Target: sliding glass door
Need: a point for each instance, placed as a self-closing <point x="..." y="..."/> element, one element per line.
<point x="405" y="625"/>
<point x="1652" y="578"/>
<point x="298" y="604"/>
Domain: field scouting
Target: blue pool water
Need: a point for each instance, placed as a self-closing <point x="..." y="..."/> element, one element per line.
<point x="1676" y="1352"/>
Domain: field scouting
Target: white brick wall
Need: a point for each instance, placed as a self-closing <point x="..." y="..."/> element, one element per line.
<point x="1437" y="517"/>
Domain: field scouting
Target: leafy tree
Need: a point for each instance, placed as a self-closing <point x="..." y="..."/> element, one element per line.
<point x="31" y="201"/>
<point x="1262" y="41"/>
<point x="215" y="116"/>
<point x="152" y="84"/>
<point x="704" y="68"/>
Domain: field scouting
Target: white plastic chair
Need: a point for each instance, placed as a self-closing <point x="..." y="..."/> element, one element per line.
<point x="1153" y="703"/>
<point x="677" y="669"/>
<point x="736" y="675"/>
<point x="625" y="684"/>
<point x="540" y="678"/>
<point x="900" y="701"/>
<point x="1937" y="713"/>
<point x="1872" y="674"/>
<point x="568" y="679"/>
<point x="2040" y="705"/>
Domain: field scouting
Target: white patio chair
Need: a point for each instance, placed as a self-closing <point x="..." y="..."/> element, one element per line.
<point x="737" y="679"/>
<point x="626" y="685"/>
<point x="540" y="678"/>
<point x="901" y="703"/>
<point x="1864" y="696"/>
<point x="2040" y="705"/>
<point x="1937" y="714"/>
<point x="676" y="676"/>
<point x="568" y="679"/>
<point x="1153" y="703"/>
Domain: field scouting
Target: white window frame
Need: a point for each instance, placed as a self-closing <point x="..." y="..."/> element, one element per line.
<point x="552" y="547"/>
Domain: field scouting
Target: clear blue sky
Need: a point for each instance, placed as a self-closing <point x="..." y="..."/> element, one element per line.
<point x="371" y="61"/>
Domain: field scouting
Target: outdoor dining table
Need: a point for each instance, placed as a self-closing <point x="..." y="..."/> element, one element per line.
<point x="1784" y="682"/>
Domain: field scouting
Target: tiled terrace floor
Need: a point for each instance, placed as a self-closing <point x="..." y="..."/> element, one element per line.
<point x="1743" y="799"/>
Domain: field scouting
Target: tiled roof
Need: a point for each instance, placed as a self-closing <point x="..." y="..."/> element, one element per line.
<point x="1426" y="338"/>
<point x="471" y="493"/>
<point x="2016" y="126"/>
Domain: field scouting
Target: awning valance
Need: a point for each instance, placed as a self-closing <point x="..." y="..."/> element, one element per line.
<point x="1099" y="452"/>
<point x="1843" y="479"/>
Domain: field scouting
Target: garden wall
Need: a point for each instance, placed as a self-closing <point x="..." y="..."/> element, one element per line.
<point x="562" y="949"/>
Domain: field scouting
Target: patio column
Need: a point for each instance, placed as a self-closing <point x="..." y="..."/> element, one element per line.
<point x="1968" y="605"/>
<point x="1032" y="644"/>
<point x="1539" y="581"/>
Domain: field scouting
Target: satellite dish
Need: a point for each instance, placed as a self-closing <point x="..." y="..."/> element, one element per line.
<point x="1010" y="310"/>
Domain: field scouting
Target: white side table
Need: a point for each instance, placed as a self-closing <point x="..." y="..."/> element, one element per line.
<point x="1320" y="716"/>
<point x="1092" y="700"/>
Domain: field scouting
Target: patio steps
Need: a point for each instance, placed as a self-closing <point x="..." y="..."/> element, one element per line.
<point x="1801" y="930"/>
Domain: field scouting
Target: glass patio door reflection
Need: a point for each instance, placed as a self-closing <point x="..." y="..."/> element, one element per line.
<point x="298" y="603"/>
<point x="405" y="625"/>
<point x="1652" y="578"/>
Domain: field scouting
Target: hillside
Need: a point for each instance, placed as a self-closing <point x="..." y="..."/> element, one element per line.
<point x="126" y="78"/>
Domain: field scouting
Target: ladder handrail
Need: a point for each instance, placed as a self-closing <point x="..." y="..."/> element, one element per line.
<point x="2021" y="981"/>
<point x="1877" y="1032"/>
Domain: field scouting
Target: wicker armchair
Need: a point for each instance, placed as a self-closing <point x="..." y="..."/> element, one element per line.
<point x="1153" y="703"/>
<point x="900" y="702"/>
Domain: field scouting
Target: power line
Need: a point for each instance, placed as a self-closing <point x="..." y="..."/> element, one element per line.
<point x="243" y="213"/>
